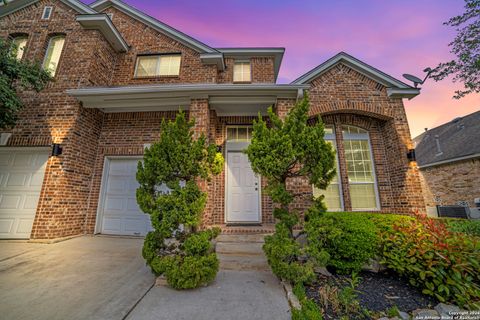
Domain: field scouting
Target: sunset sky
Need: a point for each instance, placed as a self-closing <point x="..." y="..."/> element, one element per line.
<point x="394" y="36"/>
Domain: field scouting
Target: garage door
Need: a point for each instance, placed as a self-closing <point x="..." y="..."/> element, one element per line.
<point x="120" y="212"/>
<point x="21" y="177"/>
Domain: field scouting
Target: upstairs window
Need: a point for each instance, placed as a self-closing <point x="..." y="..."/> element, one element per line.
<point x="18" y="46"/>
<point x="158" y="65"/>
<point x="54" y="51"/>
<point x="47" y="12"/>
<point x="242" y="71"/>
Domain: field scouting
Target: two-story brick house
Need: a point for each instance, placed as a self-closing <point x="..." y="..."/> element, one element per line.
<point x="118" y="72"/>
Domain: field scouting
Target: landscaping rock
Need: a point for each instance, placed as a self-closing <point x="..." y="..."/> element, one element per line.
<point x="425" y="314"/>
<point x="403" y="315"/>
<point x="374" y="265"/>
<point x="447" y="310"/>
<point x="322" y="271"/>
<point x="291" y="297"/>
<point x="161" y="281"/>
<point x="302" y="240"/>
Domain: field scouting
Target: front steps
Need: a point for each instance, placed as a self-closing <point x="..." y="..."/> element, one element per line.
<point x="241" y="252"/>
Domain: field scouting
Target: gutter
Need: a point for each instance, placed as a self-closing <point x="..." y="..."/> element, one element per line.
<point x="472" y="156"/>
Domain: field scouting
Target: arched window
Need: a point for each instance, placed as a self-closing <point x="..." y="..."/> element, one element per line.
<point x="54" y="51"/>
<point x="19" y="43"/>
<point x="333" y="193"/>
<point x="360" y="169"/>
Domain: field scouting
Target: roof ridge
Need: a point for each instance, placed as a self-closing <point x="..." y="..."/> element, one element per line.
<point x="155" y="23"/>
<point x="342" y="55"/>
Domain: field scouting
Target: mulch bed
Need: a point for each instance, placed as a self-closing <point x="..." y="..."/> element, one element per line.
<point x="376" y="292"/>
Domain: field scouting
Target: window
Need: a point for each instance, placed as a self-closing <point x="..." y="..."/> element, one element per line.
<point x="47" y="12"/>
<point x="54" y="51"/>
<point x="359" y="164"/>
<point x="18" y="46"/>
<point x="239" y="133"/>
<point x="242" y="71"/>
<point x="158" y="65"/>
<point x="333" y="198"/>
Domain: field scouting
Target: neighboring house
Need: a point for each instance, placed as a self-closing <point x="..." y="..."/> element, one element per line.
<point x="449" y="160"/>
<point x="119" y="73"/>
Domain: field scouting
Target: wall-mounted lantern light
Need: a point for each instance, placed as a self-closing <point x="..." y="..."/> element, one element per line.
<point x="56" y="149"/>
<point x="219" y="148"/>
<point x="411" y="155"/>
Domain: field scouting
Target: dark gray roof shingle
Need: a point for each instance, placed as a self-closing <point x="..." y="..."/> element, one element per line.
<point x="457" y="138"/>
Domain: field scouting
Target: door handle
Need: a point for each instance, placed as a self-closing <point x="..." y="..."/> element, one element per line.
<point x="256" y="189"/>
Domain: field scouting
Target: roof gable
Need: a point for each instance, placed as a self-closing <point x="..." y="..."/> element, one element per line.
<point x="198" y="46"/>
<point x="15" y="5"/>
<point x="396" y="88"/>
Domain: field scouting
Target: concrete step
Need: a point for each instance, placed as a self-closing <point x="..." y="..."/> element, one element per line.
<point x="243" y="263"/>
<point x="239" y="248"/>
<point x="241" y="238"/>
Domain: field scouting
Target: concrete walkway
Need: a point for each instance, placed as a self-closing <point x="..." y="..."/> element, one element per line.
<point x="235" y="295"/>
<point x="82" y="278"/>
<point x="245" y="288"/>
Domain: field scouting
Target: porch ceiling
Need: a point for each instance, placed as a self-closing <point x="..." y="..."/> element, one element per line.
<point x="226" y="99"/>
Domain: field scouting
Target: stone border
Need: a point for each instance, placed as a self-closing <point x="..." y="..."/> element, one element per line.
<point x="291" y="297"/>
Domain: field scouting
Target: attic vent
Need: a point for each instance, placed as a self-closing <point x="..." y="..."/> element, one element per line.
<point x="47" y="12"/>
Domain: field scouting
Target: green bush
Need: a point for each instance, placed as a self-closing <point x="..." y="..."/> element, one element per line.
<point x="191" y="271"/>
<point x="444" y="264"/>
<point x="283" y="255"/>
<point x="350" y="240"/>
<point x="176" y="248"/>
<point x="470" y="227"/>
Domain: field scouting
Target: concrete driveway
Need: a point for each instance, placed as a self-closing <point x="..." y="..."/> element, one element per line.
<point x="87" y="277"/>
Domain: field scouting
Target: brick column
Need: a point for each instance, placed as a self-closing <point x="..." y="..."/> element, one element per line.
<point x="200" y="111"/>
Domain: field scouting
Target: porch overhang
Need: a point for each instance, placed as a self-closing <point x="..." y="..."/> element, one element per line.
<point x="225" y="99"/>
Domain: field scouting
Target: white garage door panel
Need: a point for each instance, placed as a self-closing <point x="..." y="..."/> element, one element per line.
<point x="21" y="178"/>
<point x="120" y="212"/>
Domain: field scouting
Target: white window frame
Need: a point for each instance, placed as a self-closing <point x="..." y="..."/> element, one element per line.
<point x="16" y="38"/>
<point x="50" y="8"/>
<point x="61" y="53"/>
<point x="242" y="62"/>
<point x="157" y="72"/>
<point x="332" y="137"/>
<point x="358" y="137"/>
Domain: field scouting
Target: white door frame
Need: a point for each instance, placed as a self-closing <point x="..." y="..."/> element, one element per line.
<point x="103" y="188"/>
<point x="238" y="147"/>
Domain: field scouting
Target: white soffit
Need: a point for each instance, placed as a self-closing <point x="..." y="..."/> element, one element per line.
<point x="103" y="23"/>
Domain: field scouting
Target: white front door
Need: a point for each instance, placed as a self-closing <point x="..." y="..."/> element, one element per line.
<point x="120" y="211"/>
<point x="21" y="178"/>
<point x="243" y="195"/>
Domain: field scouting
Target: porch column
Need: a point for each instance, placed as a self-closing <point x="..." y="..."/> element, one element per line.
<point x="200" y="111"/>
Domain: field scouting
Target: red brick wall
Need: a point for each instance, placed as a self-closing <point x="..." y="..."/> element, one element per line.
<point x="122" y="134"/>
<point x="450" y="183"/>
<point x="344" y="96"/>
<point x="262" y="70"/>
<point x="52" y="116"/>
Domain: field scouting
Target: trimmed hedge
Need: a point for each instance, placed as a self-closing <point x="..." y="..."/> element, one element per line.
<point x="350" y="239"/>
<point x="470" y="227"/>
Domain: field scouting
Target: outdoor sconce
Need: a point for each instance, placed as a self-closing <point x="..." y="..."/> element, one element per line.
<point x="411" y="155"/>
<point x="56" y="149"/>
<point x="219" y="148"/>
